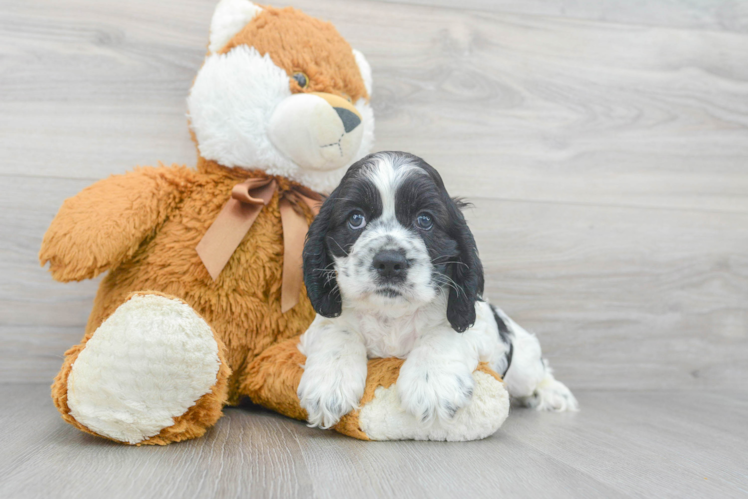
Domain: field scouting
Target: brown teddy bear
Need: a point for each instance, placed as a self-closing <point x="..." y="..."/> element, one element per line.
<point x="203" y="303"/>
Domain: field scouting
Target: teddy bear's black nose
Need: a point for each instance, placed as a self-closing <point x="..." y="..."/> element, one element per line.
<point x="390" y="265"/>
<point x="350" y="120"/>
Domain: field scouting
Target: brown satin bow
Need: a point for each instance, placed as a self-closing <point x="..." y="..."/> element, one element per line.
<point x="236" y="218"/>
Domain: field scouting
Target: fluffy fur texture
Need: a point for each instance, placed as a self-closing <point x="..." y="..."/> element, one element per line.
<point x="177" y="359"/>
<point x="191" y="424"/>
<point x="170" y="209"/>
<point x="143" y="228"/>
<point x="242" y="88"/>
<point x="229" y="18"/>
<point x="365" y="69"/>
<point x="384" y="418"/>
<point x="392" y="269"/>
<point x="276" y="373"/>
<point x="320" y="132"/>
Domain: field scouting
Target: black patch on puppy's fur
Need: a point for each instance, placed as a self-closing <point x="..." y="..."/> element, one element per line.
<point x="450" y="243"/>
<point x="506" y="337"/>
<point x="329" y="235"/>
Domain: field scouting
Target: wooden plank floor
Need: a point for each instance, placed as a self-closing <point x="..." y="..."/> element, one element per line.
<point x="624" y="444"/>
<point x="604" y="144"/>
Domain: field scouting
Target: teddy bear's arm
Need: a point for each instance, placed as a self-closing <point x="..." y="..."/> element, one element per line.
<point x="105" y="223"/>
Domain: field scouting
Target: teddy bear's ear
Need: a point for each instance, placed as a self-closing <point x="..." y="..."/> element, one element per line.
<point x="364" y="69"/>
<point x="229" y="18"/>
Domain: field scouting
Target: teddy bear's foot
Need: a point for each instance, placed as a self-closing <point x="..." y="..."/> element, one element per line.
<point x="152" y="373"/>
<point x="274" y="377"/>
<point x="381" y="416"/>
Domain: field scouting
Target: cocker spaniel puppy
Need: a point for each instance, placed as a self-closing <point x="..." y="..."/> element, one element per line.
<point x="392" y="269"/>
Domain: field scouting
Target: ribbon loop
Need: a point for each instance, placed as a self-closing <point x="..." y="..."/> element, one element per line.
<point x="263" y="191"/>
<point x="248" y="198"/>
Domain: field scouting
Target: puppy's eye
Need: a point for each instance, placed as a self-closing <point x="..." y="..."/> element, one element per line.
<point x="424" y="221"/>
<point x="357" y="220"/>
<point x="301" y="79"/>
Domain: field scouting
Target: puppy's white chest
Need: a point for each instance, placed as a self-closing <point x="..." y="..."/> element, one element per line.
<point x="388" y="337"/>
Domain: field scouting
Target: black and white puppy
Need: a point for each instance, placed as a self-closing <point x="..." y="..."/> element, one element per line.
<point x="392" y="270"/>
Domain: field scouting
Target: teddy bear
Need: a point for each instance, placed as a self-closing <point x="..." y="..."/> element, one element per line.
<point x="203" y="302"/>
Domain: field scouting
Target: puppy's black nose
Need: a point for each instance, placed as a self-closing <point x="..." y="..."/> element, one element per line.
<point x="390" y="264"/>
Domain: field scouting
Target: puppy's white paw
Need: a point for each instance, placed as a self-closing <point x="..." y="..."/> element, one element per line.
<point x="431" y="391"/>
<point x="551" y="395"/>
<point x="383" y="418"/>
<point x="329" y="392"/>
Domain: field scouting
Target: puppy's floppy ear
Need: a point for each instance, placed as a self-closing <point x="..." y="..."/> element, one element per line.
<point x="319" y="274"/>
<point x="467" y="273"/>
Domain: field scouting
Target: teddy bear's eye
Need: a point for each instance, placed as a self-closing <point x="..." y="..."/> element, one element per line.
<point x="301" y="79"/>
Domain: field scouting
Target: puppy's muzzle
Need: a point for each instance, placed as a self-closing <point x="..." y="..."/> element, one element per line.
<point x="391" y="266"/>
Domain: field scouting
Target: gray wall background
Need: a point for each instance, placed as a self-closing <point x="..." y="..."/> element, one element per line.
<point x="603" y="143"/>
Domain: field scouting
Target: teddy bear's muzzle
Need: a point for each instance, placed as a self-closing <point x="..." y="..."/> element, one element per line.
<point x="317" y="131"/>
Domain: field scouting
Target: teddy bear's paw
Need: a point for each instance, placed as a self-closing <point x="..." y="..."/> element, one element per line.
<point x="383" y="418"/>
<point x="147" y="364"/>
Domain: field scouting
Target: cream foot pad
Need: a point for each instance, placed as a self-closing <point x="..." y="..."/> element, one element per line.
<point x="148" y="363"/>
<point x="383" y="419"/>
